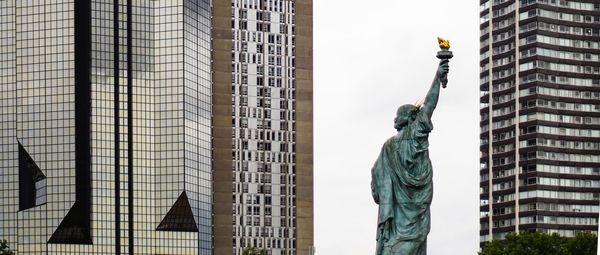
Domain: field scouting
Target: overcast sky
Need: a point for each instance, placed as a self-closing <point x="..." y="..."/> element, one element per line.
<point x="369" y="58"/>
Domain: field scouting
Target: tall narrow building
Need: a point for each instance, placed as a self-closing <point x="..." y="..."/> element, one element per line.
<point x="263" y="126"/>
<point x="105" y="127"/>
<point x="540" y="117"/>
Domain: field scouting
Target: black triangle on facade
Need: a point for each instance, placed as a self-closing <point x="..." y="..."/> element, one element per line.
<point x="72" y="229"/>
<point x="32" y="181"/>
<point x="180" y="217"/>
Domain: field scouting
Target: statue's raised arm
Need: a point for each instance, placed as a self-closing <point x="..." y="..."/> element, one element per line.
<point x="434" y="91"/>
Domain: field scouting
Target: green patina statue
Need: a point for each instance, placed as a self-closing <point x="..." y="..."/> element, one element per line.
<point x="402" y="175"/>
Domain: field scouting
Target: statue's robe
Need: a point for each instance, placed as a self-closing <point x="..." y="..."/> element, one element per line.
<point x="402" y="186"/>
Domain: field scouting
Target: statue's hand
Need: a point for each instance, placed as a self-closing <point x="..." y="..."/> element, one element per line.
<point x="386" y="230"/>
<point x="443" y="69"/>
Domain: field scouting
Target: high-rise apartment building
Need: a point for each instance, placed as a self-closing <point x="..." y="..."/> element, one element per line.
<point x="105" y="127"/>
<point x="263" y="126"/>
<point x="540" y="116"/>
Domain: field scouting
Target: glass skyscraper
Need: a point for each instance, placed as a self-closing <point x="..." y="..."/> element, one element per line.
<point x="105" y="126"/>
<point x="540" y="117"/>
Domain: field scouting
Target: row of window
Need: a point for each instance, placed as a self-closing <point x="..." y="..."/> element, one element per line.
<point x="583" y="158"/>
<point x="554" y="169"/>
<point x="558" y="220"/>
<point x="563" y="4"/>
<point x="541" y="78"/>
<point x="547" y="194"/>
<point x="592" y="57"/>
<point x="541" y="219"/>
<point x="561" y="182"/>
<point x="552" y="207"/>
<point x="560" y="93"/>
<point x="559" y="67"/>
<point x="560" y="118"/>
<point x="269" y="232"/>
<point x="259" y="15"/>
<point x="264" y="156"/>
<point x="562" y="80"/>
<point x="284" y="135"/>
<point x="559" y="16"/>
<point x="549" y="207"/>
<point x="269" y="5"/>
<point x="564" y="144"/>
<point x="551" y="104"/>
<point x="573" y="43"/>
<point x="561" y="131"/>
<point x="557" y="28"/>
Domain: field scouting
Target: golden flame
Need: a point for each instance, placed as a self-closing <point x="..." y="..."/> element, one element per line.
<point x="444" y="44"/>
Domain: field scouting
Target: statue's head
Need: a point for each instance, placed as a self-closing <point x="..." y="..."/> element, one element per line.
<point x="405" y="115"/>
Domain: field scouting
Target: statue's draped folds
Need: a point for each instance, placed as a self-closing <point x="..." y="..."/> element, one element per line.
<point x="402" y="186"/>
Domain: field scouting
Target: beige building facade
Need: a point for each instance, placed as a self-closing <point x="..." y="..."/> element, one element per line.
<point x="262" y="126"/>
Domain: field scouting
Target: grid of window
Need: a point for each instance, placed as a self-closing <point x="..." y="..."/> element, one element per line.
<point x="150" y="74"/>
<point x="103" y="123"/>
<point x="197" y="116"/>
<point x="45" y="112"/>
<point x="9" y="176"/>
<point x="169" y="126"/>
<point x="144" y="116"/>
<point x="263" y="123"/>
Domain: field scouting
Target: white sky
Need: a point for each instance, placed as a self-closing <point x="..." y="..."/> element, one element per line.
<point x="369" y="58"/>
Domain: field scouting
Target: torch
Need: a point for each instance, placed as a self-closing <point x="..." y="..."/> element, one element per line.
<point x="444" y="54"/>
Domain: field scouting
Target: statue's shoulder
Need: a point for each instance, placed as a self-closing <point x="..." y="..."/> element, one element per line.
<point x="391" y="141"/>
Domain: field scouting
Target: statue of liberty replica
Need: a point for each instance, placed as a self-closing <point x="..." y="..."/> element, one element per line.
<point x="402" y="175"/>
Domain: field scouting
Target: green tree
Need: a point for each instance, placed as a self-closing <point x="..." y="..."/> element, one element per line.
<point x="251" y="250"/>
<point x="583" y="243"/>
<point x="4" y="250"/>
<point x="526" y="243"/>
<point x="492" y="248"/>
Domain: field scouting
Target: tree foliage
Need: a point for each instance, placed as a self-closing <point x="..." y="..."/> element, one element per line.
<point x="4" y="249"/>
<point x="251" y="250"/>
<point x="526" y="243"/>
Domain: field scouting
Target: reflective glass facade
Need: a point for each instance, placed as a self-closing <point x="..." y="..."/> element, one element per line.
<point x="106" y="126"/>
<point x="540" y="109"/>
